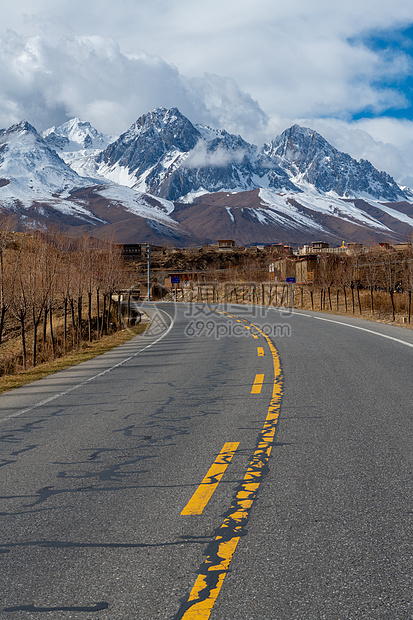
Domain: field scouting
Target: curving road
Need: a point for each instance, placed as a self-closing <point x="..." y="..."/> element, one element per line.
<point x="234" y="463"/>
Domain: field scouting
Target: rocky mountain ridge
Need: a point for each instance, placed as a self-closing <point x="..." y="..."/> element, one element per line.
<point x="172" y="179"/>
<point x="165" y="155"/>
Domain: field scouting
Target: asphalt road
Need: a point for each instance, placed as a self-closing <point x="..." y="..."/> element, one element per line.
<point x="310" y="514"/>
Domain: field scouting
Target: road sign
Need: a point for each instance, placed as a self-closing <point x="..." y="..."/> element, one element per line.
<point x="175" y="280"/>
<point x="290" y="280"/>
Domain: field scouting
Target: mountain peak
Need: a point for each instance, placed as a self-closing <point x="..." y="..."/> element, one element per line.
<point x="160" y="119"/>
<point x="148" y="140"/>
<point x="309" y="158"/>
<point x="74" y="135"/>
<point x="21" y="126"/>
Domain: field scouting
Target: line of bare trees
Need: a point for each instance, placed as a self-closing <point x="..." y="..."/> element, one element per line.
<point x="380" y="273"/>
<point x="379" y="281"/>
<point x="55" y="293"/>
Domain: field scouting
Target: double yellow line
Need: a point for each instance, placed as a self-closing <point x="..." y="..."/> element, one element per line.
<point x="213" y="571"/>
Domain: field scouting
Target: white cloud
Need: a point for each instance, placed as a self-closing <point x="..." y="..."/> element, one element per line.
<point x="91" y="78"/>
<point x="293" y="56"/>
<point x="251" y="67"/>
<point x="200" y="157"/>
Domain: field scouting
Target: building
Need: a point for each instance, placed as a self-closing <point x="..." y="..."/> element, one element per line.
<point x="305" y="269"/>
<point x="224" y="244"/>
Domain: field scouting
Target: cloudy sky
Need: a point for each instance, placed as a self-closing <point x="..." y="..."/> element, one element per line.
<point x="254" y="67"/>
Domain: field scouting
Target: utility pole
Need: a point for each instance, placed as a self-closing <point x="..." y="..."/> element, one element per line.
<point x="148" y="258"/>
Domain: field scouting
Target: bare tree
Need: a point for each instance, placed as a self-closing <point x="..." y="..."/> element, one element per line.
<point x="40" y="269"/>
<point x="391" y="275"/>
<point x="370" y="270"/>
<point x="18" y="299"/>
<point x="6" y="269"/>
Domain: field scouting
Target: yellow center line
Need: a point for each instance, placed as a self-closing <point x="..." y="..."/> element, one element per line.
<point x="213" y="571"/>
<point x="204" y="492"/>
<point x="256" y="388"/>
<point x="260" y="351"/>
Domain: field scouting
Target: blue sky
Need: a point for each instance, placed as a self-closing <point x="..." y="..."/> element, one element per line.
<point x="254" y="68"/>
<point x="391" y="45"/>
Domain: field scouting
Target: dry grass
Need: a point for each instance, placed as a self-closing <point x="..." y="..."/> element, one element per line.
<point x="87" y="352"/>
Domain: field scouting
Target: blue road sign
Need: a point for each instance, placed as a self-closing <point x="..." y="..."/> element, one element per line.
<point x="175" y="280"/>
<point x="290" y="280"/>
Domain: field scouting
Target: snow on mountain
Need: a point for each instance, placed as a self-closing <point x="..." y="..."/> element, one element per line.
<point x="79" y="144"/>
<point x="329" y="205"/>
<point x="309" y="158"/>
<point x="165" y="155"/>
<point x="31" y="171"/>
<point x="177" y="178"/>
<point x="139" y="204"/>
<point x="76" y="135"/>
<point x="33" y="175"/>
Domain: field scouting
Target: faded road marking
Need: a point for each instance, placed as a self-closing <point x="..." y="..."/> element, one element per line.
<point x="204" y="492"/>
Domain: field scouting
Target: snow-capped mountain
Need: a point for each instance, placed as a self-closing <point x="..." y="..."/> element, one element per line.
<point x="78" y="144"/>
<point x="75" y="135"/>
<point x="304" y="183"/>
<point x="166" y="178"/>
<point x="38" y="185"/>
<point x="308" y="157"/>
<point x="30" y="170"/>
<point x="165" y="155"/>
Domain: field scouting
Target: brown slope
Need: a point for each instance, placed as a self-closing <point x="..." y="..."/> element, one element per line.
<point x="208" y="218"/>
<point x="107" y="218"/>
<point x="401" y="230"/>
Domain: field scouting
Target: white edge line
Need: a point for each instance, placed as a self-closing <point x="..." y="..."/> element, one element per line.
<point x="363" y="329"/>
<point x="100" y="374"/>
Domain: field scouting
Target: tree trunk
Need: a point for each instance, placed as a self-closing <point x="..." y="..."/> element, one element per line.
<point x="371" y="300"/>
<point x="98" y="313"/>
<point x="337" y="299"/>
<point x="35" y="324"/>
<point x="72" y="308"/>
<point x="345" y="297"/>
<point x="79" y="319"/>
<point x="2" y="315"/>
<point x="329" y="298"/>
<point x="410" y="305"/>
<point x="46" y="310"/>
<point x="119" y="311"/>
<point x="51" y="329"/>
<point x="65" y="324"/>
<point x="312" y="300"/>
<point x="104" y="319"/>
<point x="358" y="298"/>
<point x="23" y="335"/>
<point x="128" y="311"/>
<point x="392" y="304"/>
<point x="89" y="316"/>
